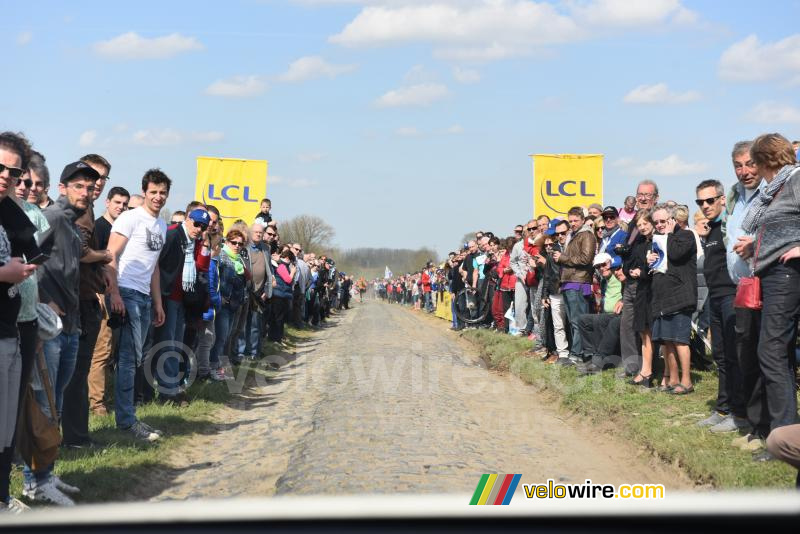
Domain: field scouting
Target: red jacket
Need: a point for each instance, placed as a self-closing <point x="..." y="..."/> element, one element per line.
<point x="426" y="282"/>
<point x="507" y="280"/>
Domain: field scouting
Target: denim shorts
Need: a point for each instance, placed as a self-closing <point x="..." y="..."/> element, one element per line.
<point x="676" y="328"/>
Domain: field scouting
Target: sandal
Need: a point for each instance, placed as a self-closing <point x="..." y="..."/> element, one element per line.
<point x="646" y="380"/>
<point x="681" y="389"/>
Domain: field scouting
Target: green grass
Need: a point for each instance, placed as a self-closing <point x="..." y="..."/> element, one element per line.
<point x="661" y="423"/>
<point x="123" y="469"/>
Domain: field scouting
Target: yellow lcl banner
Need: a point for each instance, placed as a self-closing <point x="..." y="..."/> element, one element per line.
<point x="234" y="186"/>
<point x="562" y="181"/>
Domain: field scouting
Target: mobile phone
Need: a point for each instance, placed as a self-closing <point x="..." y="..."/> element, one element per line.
<point x="38" y="260"/>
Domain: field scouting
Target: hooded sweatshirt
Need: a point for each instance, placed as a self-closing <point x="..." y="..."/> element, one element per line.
<point x="59" y="276"/>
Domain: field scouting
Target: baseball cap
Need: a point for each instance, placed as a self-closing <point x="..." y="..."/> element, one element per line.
<point x="551" y="230"/>
<point x="200" y="216"/>
<point x="78" y="167"/>
<point x="601" y="258"/>
<point x="610" y="210"/>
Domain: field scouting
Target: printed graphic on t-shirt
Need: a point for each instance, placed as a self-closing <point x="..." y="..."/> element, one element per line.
<point x="5" y="258"/>
<point x="154" y="240"/>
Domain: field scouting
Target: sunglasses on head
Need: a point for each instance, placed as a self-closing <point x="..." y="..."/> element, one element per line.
<point x="701" y="201"/>
<point x="13" y="172"/>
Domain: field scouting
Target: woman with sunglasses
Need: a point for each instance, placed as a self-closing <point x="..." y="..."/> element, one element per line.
<point x="232" y="282"/>
<point x="635" y="267"/>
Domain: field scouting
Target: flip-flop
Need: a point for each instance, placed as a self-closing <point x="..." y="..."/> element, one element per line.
<point x="680" y="389"/>
<point x="665" y="389"/>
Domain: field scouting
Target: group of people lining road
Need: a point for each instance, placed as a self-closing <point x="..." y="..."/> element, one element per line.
<point x="103" y="305"/>
<point x="644" y="285"/>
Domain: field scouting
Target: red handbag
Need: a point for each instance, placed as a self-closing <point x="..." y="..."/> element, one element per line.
<point x="748" y="292"/>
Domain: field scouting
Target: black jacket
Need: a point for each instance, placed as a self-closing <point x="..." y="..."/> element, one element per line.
<point x="170" y="260"/>
<point x="676" y="290"/>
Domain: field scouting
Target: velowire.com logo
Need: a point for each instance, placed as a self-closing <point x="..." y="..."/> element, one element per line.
<point x="495" y="489"/>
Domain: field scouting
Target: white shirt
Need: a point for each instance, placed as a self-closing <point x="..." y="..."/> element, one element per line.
<point x="146" y="236"/>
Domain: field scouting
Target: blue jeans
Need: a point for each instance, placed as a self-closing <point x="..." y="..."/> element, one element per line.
<point x="429" y="301"/>
<point x="167" y="368"/>
<point x="577" y="305"/>
<point x="60" y="354"/>
<point x="222" y="329"/>
<point x="131" y="342"/>
<point x="250" y="339"/>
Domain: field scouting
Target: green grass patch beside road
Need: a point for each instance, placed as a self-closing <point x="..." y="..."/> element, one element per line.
<point x="661" y="423"/>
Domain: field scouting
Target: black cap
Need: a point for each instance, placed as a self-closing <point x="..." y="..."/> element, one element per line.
<point x="78" y="167"/>
<point x="610" y="210"/>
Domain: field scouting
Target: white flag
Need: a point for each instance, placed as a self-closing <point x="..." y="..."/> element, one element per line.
<point x="387" y="273"/>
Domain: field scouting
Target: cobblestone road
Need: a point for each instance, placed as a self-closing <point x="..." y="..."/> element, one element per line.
<point x="387" y="401"/>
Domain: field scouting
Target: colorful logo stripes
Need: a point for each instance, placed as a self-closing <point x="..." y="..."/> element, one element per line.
<point x="495" y="489"/>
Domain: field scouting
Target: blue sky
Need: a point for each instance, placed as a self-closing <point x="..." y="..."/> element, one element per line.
<point x="403" y="123"/>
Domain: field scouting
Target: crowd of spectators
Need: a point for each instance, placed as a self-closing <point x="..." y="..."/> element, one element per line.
<point x="639" y="288"/>
<point x="118" y="309"/>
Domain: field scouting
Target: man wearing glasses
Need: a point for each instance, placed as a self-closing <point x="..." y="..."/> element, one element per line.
<point x="522" y="251"/>
<point x="59" y="281"/>
<point x="94" y="258"/>
<point x="729" y="413"/>
<point x="182" y="257"/>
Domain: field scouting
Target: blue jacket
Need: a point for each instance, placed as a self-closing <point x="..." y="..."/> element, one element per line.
<point x="213" y="290"/>
<point x="282" y="290"/>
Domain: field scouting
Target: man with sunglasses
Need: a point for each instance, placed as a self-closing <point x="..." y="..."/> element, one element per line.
<point x="613" y="235"/>
<point x="182" y="258"/>
<point x="729" y="413"/>
<point x="524" y="292"/>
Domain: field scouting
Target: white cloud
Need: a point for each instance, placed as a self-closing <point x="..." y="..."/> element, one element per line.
<point x="164" y="137"/>
<point x="485" y="30"/>
<point x="672" y="165"/>
<point x="659" y="94"/>
<point x="121" y="127"/>
<point x="749" y="60"/>
<point x="311" y="67"/>
<point x="24" y="38"/>
<point x="415" y="95"/>
<point x="171" y="137"/>
<point x="87" y="138"/>
<point x="131" y="45"/>
<point x="624" y="13"/>
<point x="238" y="87"/>
<point x="407" y="131"/>
<point x="773" y="112"/>
<point x="297" y="183"/>
<point x="455" y="129"/>
<point x="466" y="75"/>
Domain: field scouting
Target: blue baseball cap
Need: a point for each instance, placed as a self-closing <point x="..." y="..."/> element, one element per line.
<point x="551" y="230"/>
<point x="200" y="216"/>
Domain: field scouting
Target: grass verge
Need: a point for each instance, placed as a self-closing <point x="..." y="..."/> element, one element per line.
<point x="122" y="469"/>
<point x="661" y="423"/>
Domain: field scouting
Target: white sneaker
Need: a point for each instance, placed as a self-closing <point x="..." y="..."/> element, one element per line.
<point x="63" y="486"/>
<point x="151" y="429"/>
<point x="13" y="506"/>
<point x="142" y="432"/>
<point x="47" y="493"/>
<point x="218" y="375"/>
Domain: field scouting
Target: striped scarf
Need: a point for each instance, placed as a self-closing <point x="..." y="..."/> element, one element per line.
<point x="764" y="199"/>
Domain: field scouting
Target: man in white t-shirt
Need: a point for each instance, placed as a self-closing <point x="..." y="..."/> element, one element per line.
<point x="137" y="237"/>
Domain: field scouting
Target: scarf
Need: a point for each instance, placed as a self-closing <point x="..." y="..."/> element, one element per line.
<point x="189" y="271"/>
<point x="764" y="198"/>
<point x="238" y="265"/>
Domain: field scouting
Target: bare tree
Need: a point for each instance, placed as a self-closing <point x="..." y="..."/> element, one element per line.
<point x="313" y="233"/>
